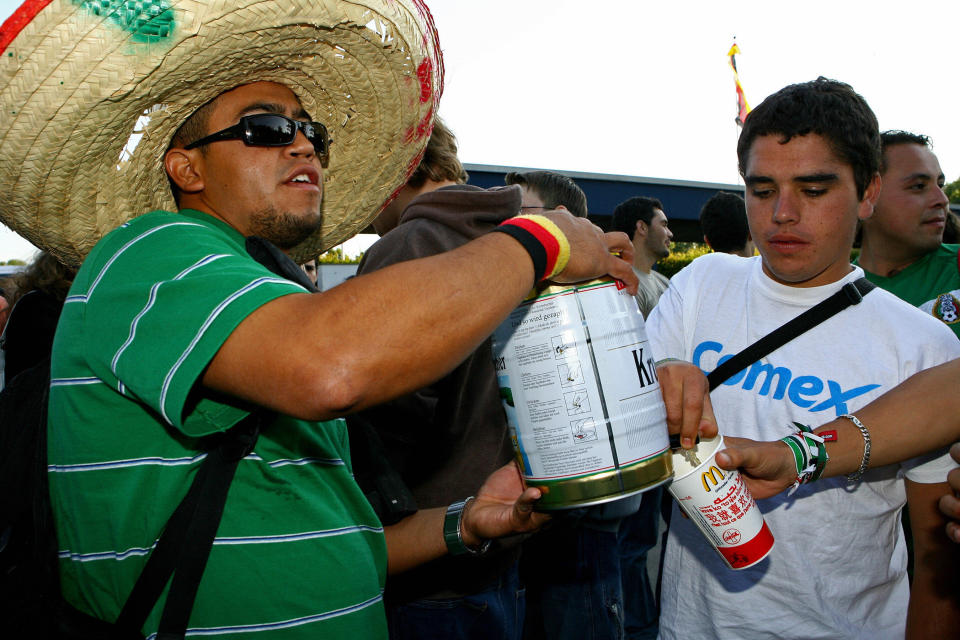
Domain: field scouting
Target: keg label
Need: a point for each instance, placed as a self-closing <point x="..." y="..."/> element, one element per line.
<point x="579" y="385"/>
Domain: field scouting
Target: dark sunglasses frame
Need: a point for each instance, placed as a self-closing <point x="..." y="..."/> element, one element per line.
<point x="277" y="129"/>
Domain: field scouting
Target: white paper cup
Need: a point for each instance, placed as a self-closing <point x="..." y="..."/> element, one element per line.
<point x="721" y="506"/>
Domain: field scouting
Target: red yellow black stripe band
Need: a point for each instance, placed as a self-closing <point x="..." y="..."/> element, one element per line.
<point x="544" y="241"/>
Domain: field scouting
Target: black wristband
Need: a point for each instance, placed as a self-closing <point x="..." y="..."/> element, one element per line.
<point x="533" y="246"/>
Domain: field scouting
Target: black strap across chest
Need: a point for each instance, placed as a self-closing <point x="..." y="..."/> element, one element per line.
<point x="851" y="293"/>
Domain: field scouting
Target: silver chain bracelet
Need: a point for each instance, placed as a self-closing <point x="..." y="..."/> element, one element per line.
<point x="865" y="460"/>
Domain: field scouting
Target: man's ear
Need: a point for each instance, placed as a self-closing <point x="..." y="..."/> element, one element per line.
<point x="185" y="168"/>
<point x="641" y="229"/>
<point x="870" y="197"/>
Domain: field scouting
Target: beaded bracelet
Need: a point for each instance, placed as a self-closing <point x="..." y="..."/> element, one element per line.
<point x="544" y="241"/>
<point x="809" y="452"/>
<point x="865" y="459"/>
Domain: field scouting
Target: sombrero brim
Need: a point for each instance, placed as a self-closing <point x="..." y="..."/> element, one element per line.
<point x="91" y="100"/>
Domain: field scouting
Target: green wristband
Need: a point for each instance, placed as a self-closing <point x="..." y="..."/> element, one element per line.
<point x="798" y="456"/>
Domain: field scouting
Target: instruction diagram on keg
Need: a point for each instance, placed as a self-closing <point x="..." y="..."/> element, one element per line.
<point x="564" y="346"/>
<point x="584" y="430"/>
<point x="580" y="405"/>
<point x="577" y="402"/>
<point x="571" y="374"/>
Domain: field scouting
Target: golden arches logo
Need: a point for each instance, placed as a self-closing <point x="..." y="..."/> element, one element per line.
<point x="714" y="474"/>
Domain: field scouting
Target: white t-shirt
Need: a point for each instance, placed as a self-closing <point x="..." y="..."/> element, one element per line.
<point x="838" y="566"/>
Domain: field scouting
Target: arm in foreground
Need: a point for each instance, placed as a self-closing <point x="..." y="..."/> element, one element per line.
<point x="934" y="610"/>
<point x="950" y="502"/>
<point x="501" y="507"/>
<point x="381" y="335"/>
<point x="918" y="416"/>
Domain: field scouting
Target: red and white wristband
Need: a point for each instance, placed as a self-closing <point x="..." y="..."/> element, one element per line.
<point x="544" y="241"/>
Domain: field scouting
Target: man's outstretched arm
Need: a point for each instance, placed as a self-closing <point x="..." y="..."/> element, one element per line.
<point x="378" y="336"/>
<point x="917" y="416"/>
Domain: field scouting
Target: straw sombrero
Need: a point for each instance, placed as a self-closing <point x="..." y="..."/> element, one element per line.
<point x="91" y="93"/>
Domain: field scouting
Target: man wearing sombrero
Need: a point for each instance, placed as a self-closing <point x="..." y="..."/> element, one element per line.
<point x="172" y="332"/>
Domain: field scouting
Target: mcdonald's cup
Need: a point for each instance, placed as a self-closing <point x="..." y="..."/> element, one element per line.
<point x="721" y="506"/>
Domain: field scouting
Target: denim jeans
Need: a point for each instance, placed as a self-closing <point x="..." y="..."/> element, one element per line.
<point x="493" y="613"/>
<point x="573" y="584"/>
<point x="638" y="534"/>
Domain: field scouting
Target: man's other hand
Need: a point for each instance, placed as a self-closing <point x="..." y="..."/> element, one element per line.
<point x="686" y="394"/>
<point x="501" y="507"/>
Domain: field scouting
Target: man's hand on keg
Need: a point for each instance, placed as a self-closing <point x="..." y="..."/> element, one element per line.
<point x="686" y="395"/>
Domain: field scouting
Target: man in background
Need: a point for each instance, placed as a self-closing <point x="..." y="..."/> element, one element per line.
<point x="438" y="443"/>
<point x="312" y="269"/>
<point x="644" y="221"/>
<point x="723" y="221"/>
<point x="902" y="246"/>
<point x="547" y="190"/>
<point x="440" y="167"/>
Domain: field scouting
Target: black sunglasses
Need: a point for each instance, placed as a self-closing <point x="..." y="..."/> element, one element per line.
<point x="272" y="130"/>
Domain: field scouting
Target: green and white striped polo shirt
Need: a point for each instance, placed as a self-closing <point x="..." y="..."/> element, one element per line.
<point x="299" y="552"/>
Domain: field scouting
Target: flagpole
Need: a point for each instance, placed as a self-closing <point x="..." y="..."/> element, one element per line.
<point x="736" y="140"/>
<point x="743" y="108"/>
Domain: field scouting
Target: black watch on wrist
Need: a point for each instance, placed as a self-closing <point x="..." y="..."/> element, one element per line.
<point x="452" y="532"/>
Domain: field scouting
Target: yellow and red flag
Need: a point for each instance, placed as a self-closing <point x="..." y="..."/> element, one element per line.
<point x="743" y="109"/>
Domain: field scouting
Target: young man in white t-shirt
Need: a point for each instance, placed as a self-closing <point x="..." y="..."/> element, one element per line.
<point x="809" y="156"/>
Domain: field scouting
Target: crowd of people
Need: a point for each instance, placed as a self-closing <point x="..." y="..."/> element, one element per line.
<point x="378" y="495"/>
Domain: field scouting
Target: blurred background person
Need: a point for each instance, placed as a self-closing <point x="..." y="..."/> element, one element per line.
<point x="39" y="292"/>
<point x="547" y="190"/>
<point x="312" y="268"/>
<point x="901" y="244"/>
<point x="434" y="447"/>
<point x="644" y="221"/>
<point x="723" y="220"/>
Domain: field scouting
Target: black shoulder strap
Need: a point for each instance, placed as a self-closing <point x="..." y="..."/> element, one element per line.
<point x="185" y="544"/>
<point x="850" y="293"/>
<point x="184" y="547"/>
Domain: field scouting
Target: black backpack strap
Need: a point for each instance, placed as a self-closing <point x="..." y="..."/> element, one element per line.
<point x="850" y="293"/>
<point x="381" y="483"/>
<point x="185" y="544"/>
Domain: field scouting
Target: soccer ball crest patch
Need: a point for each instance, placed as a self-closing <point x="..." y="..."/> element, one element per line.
<point x="946" y="308"/>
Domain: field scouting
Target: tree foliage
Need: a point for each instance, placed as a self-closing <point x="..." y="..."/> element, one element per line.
<point x="681" y="254"/>
<point x="952" y="190"/>
<point x="336" y="256"/>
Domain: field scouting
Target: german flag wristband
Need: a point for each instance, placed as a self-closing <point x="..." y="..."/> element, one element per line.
<point x="543" y="240"/>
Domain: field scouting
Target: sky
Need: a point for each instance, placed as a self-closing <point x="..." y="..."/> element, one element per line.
<point x="644" y="88"/>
